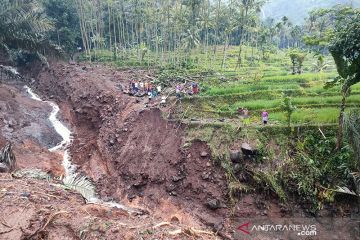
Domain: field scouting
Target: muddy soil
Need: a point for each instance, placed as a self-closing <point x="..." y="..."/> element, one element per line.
<point x="24" y="122"/>
<point x="132" y="153"/>
<point x="38" y="209"/>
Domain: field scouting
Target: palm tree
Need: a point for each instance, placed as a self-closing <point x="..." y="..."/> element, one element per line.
<point x="22" y="26"/>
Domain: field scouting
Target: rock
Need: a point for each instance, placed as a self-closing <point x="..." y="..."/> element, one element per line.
<point x="205" y="175"/>
<point x="140" y="182"/>
<point x="235" y="156"/>
<point x="174" y="219"/>
<point x="204" y="154"/>
<point x="213" y="203"/>
<point x="25" y="194"/>
<point x="248" y="150"/>
<point x="170" y="187"/>
<point x="112" y="142"/>
<point x="177" y="178"/>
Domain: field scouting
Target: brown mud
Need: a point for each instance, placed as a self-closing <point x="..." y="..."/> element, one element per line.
<point x="132" y="153"/>
<point x="23" y="121"/>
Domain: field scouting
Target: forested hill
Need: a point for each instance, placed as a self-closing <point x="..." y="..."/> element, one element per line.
<point x="297" y="10"/>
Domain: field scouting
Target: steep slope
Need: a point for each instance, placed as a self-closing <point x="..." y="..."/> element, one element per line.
<point x="134" y="155"/>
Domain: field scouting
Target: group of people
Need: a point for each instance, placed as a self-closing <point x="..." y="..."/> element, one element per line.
<point x="148" y="88"/>
<point x="244" y="112"/>
<point x="144" y="88"/>
<point x="192" y="90"/>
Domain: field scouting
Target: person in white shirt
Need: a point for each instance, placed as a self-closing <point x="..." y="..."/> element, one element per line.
<point x="136" y="86"/>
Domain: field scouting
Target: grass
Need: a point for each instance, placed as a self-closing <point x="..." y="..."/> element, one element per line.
<point x="271" y="104"/>
<point x="256" y="84"/>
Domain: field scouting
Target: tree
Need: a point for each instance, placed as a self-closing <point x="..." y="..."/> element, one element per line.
<point x="66" y="32"/>
<point x="320" y="64"/>
<point x="24" y="26"/>
<point x="247" y="7"/>
<point x="345" y="49"/>
<point x="289" y="108"/>
<point x="297" y="60"/>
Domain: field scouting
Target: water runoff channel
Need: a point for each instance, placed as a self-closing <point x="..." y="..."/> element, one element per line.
<point x="70" y="169"/>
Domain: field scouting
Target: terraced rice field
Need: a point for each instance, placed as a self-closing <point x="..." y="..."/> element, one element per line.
<point x="263" y="88"/>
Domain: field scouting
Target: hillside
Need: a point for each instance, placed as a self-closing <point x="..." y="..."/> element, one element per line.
<point x="297" y="10"/>
<point x="179" y="119"/>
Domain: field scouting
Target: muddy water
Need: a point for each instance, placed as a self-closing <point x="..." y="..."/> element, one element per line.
<point x="65" y="133"/>
<point x="62" y="130"/>
<point x="70" y="169"/>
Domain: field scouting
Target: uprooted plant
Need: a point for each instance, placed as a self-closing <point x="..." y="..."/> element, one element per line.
<point x="7" y="159"/>
<point x="80" y="184"/>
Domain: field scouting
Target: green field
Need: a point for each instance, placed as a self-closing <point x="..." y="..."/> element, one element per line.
<point x="263" y="87"/>
<point x="257" y="84"/>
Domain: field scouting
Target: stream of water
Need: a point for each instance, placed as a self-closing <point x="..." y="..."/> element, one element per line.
<point x="65" y="133"/>
<point x="70" y="169"/>
<point x="62" y="130"/>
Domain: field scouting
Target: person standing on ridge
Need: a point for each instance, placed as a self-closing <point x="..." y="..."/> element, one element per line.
<point x="265" y="117"/>
<point x="146" y="87"/>
<point x="195" y="88"/>
<point x="178" y="91"/>
<point x="136" y="86"/>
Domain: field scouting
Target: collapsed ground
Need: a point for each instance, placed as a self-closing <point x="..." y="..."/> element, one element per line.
<point x="131" y="152"/>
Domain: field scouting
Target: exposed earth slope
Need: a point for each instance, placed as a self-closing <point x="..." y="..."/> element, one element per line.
<point x="133" y="155"/>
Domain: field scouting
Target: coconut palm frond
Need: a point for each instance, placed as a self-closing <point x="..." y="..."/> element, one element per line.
<point x="24" y="26"/>
<point x="345" y="190"/>
<point x="356" y="180"/>
<point x="25" y="16"/>
<point x="80" y="184"/>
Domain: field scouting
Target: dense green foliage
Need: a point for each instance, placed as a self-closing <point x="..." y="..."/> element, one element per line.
<point x="66" y="24"/>
<point x="23" y="26"/>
